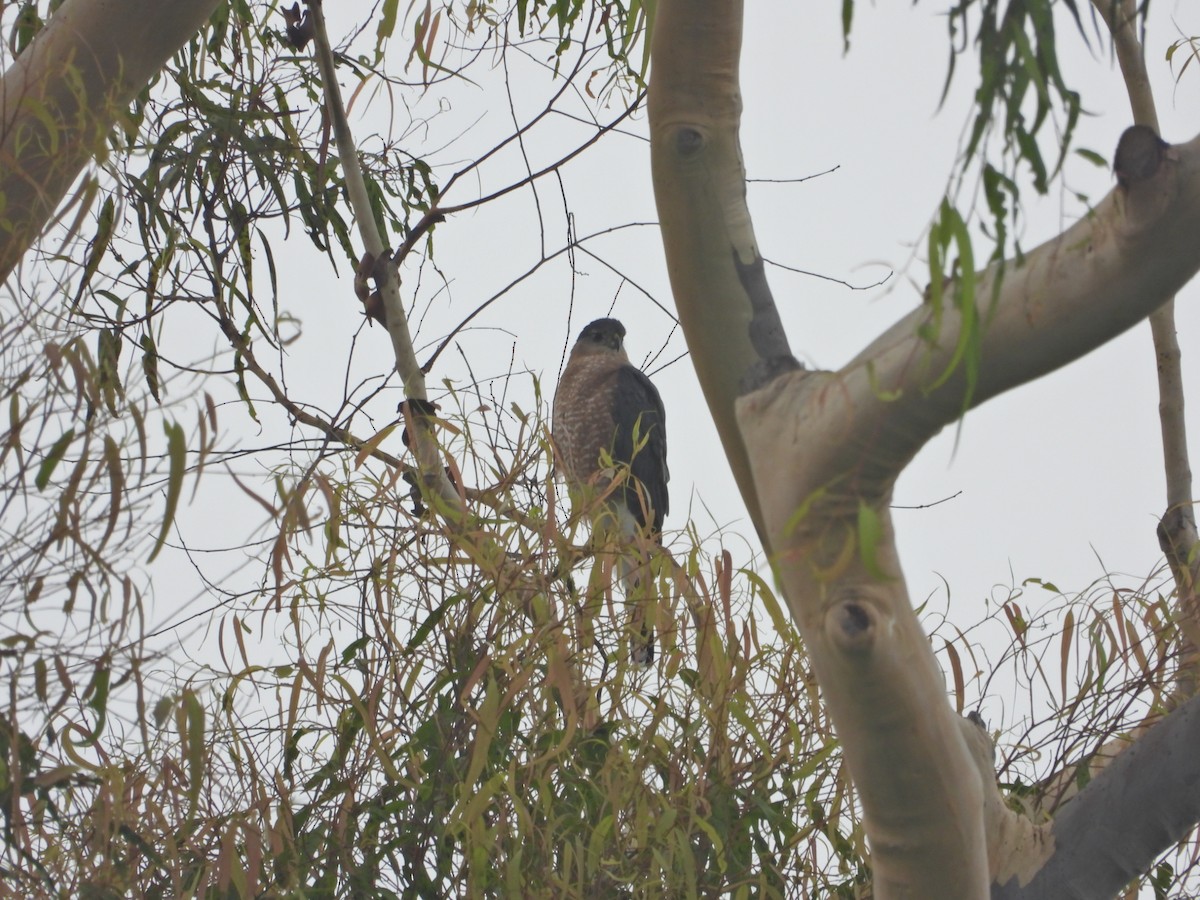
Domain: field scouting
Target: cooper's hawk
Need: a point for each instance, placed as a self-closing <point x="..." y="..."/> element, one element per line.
<point x="608" y="415"/>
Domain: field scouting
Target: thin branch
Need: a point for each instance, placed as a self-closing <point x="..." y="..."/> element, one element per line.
<point x="566" y="248"/>
<point x="1177" y="530"/>
<point x="384" y="271"/>
<point x="841" y="281"/>
<point x="438" y="214"/>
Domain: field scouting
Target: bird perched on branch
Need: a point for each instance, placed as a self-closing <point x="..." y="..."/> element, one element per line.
<point x="609" y="418"/>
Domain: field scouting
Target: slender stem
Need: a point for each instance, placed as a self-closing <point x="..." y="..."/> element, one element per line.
<point x="424" y="444"/>
<point x="1177" y="531"/>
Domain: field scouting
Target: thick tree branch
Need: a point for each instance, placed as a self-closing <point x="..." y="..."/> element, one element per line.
<point x="1070" y="295"/>
<point x="1096" y="852"/>
<point x="64" y="93"/>
<point x="921" y="793"/>
<point x="842" y="439"/>
<point x="695" y="108"/>
<point x="834" y="552"/>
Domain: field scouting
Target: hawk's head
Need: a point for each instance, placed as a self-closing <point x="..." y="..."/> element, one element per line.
<point x="601" y="336"/>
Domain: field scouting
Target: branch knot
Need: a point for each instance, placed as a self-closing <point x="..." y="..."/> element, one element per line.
<point x="851" y="626"/>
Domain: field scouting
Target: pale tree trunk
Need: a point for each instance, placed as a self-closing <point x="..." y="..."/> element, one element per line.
<point x="64" y="93"/>
<point x="823" y="451"/>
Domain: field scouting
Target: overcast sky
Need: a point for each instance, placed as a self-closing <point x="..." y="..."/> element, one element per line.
<point x="1060" y="480"/>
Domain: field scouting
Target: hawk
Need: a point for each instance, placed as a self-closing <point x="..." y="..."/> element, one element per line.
<point x="608" y="414"/>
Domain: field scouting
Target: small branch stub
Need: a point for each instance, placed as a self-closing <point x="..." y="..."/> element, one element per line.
<point x="1140" y="154"/>
<point x="377" y="270"/>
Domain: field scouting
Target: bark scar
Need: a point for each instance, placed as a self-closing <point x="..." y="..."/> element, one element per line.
<point x="766" y="333"/>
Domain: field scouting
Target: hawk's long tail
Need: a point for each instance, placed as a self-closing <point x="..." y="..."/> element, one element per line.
<point x="637" y="582"/>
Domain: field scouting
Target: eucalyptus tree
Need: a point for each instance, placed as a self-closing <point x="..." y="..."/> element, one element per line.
<point x="817" y="453"/>
<point x="404" y="674"/>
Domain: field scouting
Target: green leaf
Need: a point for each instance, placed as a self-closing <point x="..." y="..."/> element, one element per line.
<point x="802" y="511"/>
<point x="191" y="730"/>
<point x="108" y="373"/>
<point x="150" y="366"/>
<point x="968" y="348"/>
<point x="999" y="189"/>
<point x="870" y="533"/>
<point x="352" y="651"/>
<point x="116" y="480"/>
<point x="143" y="846"/>
<point x="177" y="455"/>
<point x="99" y="245"/>
<point x="46" y="469"/>
<point x="26" y="25"/>
<point x="162" y="710"/>
<point x="239" y="367"/>
<point x="430" y="622"/>
<point x="781" y="622"/>
<point x="387" y="24"/>
<point x="97" y="694"/>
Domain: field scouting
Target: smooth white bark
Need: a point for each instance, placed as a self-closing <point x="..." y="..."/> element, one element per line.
<point x="64" y="93"/>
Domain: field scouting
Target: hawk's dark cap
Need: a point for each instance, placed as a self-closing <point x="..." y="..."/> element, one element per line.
<point x="602" y="328"/>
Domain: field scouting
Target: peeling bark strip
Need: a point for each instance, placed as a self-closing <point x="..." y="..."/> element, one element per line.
<point x="816" y="455"/>
<point x="766" y="333"/>
<point x="63" y="94"/>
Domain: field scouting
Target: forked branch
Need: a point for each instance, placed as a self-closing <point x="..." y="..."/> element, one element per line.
<point x="821" y="451"/>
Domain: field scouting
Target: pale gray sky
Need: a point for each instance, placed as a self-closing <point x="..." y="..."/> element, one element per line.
<point x="1053" y="475"/>
<point x="1060" y="480"/>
